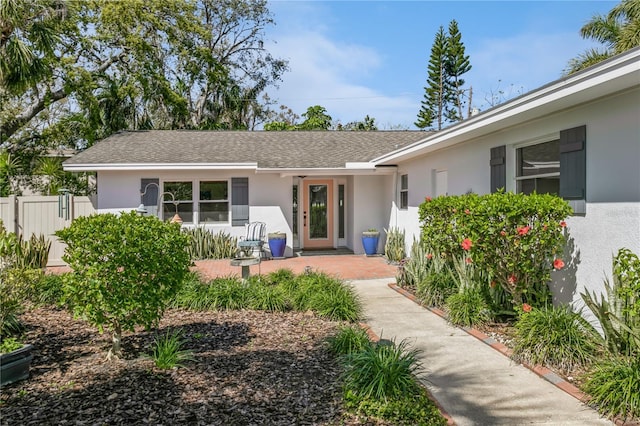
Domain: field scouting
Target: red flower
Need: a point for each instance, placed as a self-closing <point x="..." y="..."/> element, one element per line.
<point x="512" y="279"/>
<point x="492" y="284"/>
<point x="427" y="199"/>
<point x="467" y="211"/>
<point x="503" y="233"/>
<point x="523" y="230"/>
<point x="468" y="260"/>
<point x="429" y="255"/>
<point x="526" y="307"/>
<point x="563" y="224"/>
<point x="466" y="244"/>
<point x="558" y="264"/>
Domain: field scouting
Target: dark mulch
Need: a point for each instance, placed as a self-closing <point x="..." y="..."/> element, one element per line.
<point x="251" y="368"/>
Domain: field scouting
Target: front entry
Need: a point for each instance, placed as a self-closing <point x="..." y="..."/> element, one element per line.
<point x="317" y="213"/>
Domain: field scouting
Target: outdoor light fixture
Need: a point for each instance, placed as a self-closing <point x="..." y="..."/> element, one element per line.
<point x="142" y="209"/>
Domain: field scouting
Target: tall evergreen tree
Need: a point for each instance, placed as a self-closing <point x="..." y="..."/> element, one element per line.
<point x="457" y="64"/>
<point x="443" y="98"/>
<point x="436" y="95"/>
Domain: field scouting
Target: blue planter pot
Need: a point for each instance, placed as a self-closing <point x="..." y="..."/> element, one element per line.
<point x="277" y="247"/>
<point x="370" y="244"/>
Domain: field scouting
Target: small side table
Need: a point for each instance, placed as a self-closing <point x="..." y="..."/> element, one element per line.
<point x="245" y="263"/>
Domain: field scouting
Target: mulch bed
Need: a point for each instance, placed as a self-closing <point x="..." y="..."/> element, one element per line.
<point x="251" y="368"/>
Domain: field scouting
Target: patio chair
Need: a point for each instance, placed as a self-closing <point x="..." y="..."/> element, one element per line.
<point x="254" y="239"/>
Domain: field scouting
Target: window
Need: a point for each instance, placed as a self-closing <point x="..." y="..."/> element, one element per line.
<point x="404" y="191"/>
<point x="183" y="203"/>
<point x="213" y="205"/>
<point x="538" y="168"/>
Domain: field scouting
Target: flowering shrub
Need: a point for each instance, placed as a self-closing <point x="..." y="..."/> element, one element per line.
<point x="517" y="239"/>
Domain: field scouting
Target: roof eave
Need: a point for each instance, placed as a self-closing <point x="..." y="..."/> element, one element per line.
<point x="612" y="76"/>
<point x="157" y="166"/>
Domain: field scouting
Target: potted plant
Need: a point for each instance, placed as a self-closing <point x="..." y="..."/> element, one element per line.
<point x="277" y="244"/>
<point x="370" y="239"/>
<point x="15" y="361"/>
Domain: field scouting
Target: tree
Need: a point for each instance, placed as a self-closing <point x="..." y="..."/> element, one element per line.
<point x="367" y="124"/>
<point x="443" y="99"/>
<point x="102" y="66"/>
<point x="316" y="118"/>
<point x="125" y="270"/>
<point x="437" y="95"/>
<point x="456" y="65"/>
<point x="618" y="31"/>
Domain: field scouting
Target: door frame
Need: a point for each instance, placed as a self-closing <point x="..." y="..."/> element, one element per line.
<point x="307" y="242"/>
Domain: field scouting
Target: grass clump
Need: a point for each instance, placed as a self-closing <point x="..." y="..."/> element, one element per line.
<point x="554" y="336"/>
<point x="167" y="352"/>
<point x="349" y="340"/>
<point x="380" y="381"/>
<point x="382" y="371"/>
<point x="468" y="308"/>
<point x="394" y="247"/>
<point x="263" y="296"/>
<point x="614" y="387"/>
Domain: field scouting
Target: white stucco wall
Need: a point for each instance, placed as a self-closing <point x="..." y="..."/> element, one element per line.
<point x="270" y="196"/>
<point x="371" y="208"/>
<point x="612" y="220"/>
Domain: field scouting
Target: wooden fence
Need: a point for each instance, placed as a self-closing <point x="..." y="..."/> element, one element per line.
<point x="44" y="215"/>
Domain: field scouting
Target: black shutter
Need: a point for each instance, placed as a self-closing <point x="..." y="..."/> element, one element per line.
<point x="150" y="197"/>
<point x="498" y="168"/>
<point x="573" y="167"/>
<point x="239" y="201"/>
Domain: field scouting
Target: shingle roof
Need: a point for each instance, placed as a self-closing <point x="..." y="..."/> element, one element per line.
<point x="311" y="149"/>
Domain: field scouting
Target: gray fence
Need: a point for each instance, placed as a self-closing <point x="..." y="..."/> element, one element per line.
<point x="44" y="215"/>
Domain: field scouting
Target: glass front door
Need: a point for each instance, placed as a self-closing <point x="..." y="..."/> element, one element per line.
<point x="318" y="214"/>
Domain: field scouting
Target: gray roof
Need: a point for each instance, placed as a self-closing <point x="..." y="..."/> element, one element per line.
<point x="286" y="149"/>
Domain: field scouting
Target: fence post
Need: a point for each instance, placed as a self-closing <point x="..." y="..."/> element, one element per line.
<point x="12" y="215"/>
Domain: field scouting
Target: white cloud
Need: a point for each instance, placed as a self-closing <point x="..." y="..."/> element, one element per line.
<point x="329" y="73"/>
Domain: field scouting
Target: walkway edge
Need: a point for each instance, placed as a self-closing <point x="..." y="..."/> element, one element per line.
<point x="375" y="338"/>
<point x="539" y="370"/>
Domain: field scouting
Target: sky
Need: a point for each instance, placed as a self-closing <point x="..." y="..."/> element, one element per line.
<point x="358" y="58"/>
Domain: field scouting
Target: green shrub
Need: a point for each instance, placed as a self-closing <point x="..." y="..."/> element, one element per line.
<point x="515" y="238"/>
<point x="555" y="336"/>
<point x="411" y="409"/>
<point x="614" y="387"/>
<point x="48" y="290"/>
<point x="204" y="244"/>
<point x="266" y="297"/>
<point x="394" y="247"/>
<point x="468" y="308"/>
<point x="416" y="267"/>
<point x="619" y="312"/>
<point x="338" y="302"/>
<point x="348" y="340"/>
<point x="226" y="294"/>
<point x="436" y="287"/>
<point x="382" y="371"/>
<point x="284" y="277"/>
<point x="126" y="269"/>
<point x="16" y="252"/>
<point x="168" y="353"/>
<point x="9" y="344"/>
<point x="15" y="287"/>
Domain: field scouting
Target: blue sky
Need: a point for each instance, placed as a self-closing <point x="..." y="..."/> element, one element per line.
<point x="370" y="57"/>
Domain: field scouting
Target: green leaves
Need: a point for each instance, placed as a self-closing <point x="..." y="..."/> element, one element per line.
<point x="125" y="269"/>
<point x="515" y="238"/>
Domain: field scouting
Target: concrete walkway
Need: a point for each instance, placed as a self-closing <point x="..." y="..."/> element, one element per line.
<point x="474" y="383"/>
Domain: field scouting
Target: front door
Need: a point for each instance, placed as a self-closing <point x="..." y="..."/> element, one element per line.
<point x="317" y="214"/>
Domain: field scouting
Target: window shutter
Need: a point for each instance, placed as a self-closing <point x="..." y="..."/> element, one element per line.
<point x="239" y="201"/>
<point x="573" y="167"/>
<point x="498" y="168"/>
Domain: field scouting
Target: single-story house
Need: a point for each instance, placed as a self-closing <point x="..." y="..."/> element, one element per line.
<point x="578" y="137"/>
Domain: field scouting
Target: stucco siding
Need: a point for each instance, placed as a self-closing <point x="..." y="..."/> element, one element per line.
<point x="270" y="197"/>
<point x="612" y="217"/>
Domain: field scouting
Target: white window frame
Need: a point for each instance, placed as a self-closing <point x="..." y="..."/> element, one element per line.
<point x="198" y="182"/>
<point x="195" y="201"/>
<point x="402" y="191"/>
<point x="533" y="142"/>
